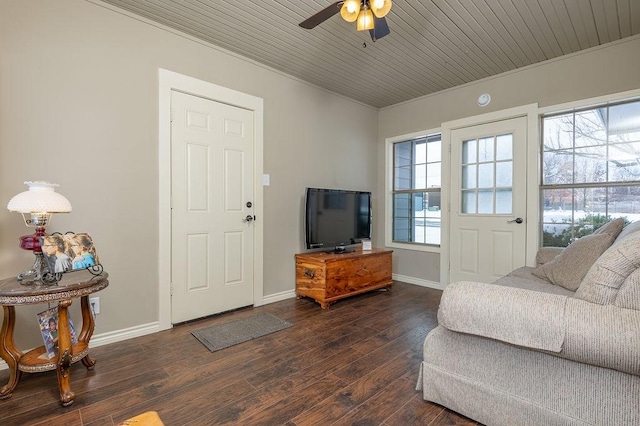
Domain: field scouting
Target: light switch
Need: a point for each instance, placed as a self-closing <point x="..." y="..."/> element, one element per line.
<point x="266" y="180"/>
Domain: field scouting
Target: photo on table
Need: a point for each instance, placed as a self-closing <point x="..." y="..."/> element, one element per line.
<point x="69" y="252"/>
<point x="48" y="322"/>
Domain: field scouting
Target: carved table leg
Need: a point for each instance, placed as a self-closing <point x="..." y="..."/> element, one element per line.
<point x="88" y="325"/>
<point x="9" y="352"/>
<point x="64" y="354"/>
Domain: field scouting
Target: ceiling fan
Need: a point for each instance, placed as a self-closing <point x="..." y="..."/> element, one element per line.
<point x="368" y="15"/>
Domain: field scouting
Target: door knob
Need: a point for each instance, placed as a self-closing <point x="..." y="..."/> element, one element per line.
<point x="249" y="218"/>
<point x="516" y="220"/>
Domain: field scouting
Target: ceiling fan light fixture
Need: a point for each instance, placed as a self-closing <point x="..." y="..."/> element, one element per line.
<point x="380" y="8"/>
<point x="350" y="10"/>
<point x="365" y="20"/>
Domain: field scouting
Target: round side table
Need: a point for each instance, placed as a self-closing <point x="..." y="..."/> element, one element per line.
<point x="77" y="284"/>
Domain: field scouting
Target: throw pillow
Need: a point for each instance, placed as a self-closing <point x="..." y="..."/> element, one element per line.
<point x="612" y="227"/>
<point x="628" y="230"/>
<point x="569" y="267"/>
<point x="608" y="274"/>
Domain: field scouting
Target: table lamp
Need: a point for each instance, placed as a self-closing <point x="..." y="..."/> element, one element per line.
<point x="37" y="205"/>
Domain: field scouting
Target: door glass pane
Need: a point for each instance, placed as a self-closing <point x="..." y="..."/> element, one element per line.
<point x="485" y="149"/>
<point x="469" y="176"/>
<point x="468" y="202"/>
<point x="485" y="202"/>
<point x="504" y="174"/>
<point x="504" y="201"/>
<point x="469" y="152"/>
<point x="504" y="147"/>
<point x="485" y="175"/>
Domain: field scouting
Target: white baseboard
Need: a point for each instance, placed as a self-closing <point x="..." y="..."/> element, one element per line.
<point x="125" y="334"/>
<point x="113" y="337"/>
<point x="418" y="281"/>
<point x="277" y="297"/>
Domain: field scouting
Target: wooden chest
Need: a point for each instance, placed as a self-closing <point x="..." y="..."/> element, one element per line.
<point x="327" y="277"/>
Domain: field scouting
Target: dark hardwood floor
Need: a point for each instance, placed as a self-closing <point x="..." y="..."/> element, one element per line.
<point x="355" y="363"/>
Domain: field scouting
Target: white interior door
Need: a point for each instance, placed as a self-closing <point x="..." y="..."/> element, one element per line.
<point x="488" y="200"/>
<point x="212" y="190"/>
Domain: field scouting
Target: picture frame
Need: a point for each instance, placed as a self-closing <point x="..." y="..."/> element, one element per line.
<point x="70" y="252"/>
<point x="48" y="323"/>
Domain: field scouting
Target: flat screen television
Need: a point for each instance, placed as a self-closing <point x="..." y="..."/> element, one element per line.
<point x="336" y="218"/>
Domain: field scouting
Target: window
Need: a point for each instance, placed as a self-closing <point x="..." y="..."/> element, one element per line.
<point x="590" y="170"/>
<point x="416" y="190"/>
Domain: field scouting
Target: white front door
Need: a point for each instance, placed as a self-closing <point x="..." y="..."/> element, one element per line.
<point x="488" y="200"/>
<point x="212" y="190"/>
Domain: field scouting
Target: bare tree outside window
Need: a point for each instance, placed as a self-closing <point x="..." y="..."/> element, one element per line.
<point x="590" y="170"/>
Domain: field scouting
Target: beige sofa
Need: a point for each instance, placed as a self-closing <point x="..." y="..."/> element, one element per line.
<point x="558" y="344"/>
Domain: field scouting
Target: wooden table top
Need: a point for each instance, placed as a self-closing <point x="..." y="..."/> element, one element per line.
<point x="71" y="285"/>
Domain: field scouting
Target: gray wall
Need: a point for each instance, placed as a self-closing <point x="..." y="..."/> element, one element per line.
<point x="596" y="72"/>
<point x="79" y="107"/>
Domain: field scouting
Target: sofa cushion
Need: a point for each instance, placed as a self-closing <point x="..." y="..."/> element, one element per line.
<point x="628" y="230"/>
<point x="513" y="315"/>
<point x="523" y="278"/>
<point x="629" y="295"/>
<point x="606" y="276"/>
<point x="603" y="335"/>
<point x="569" y="267"/>
<point x="547" y="254"/>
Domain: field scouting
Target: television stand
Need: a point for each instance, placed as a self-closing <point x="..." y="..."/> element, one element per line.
<point x="327" y="277"/>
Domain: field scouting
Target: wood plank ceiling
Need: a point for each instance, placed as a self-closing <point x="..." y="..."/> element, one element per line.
<point x="433" y="45"/>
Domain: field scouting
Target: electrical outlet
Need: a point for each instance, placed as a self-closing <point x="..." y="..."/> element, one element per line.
<point x="94" y="304"/>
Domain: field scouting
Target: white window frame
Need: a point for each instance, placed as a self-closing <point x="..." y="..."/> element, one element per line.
<point x="388" y="197"/>
<point x="614" y="98"/>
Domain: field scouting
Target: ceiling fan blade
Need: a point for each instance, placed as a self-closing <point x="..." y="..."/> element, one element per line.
<point x="380" y="28"/>
<point x="321" y="16"/>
